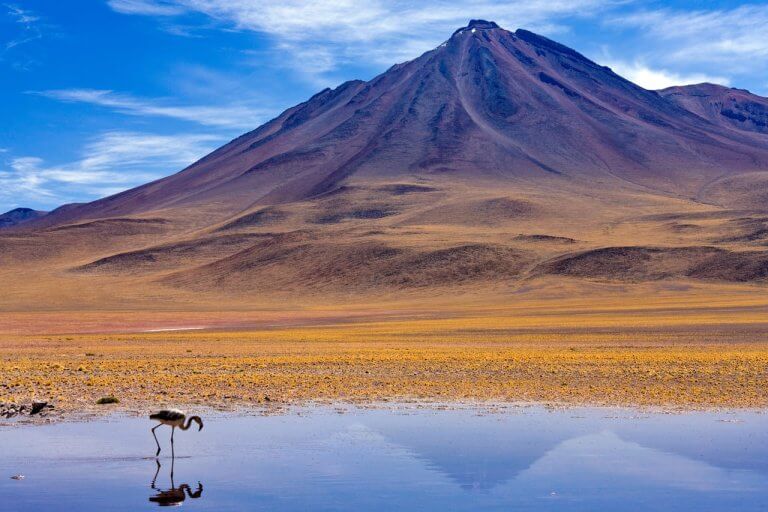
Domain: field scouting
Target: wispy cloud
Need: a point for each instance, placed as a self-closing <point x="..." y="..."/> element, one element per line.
<point x="22" y="16"/>
<point x="27" y="22"/>
<point x="224" y="116"/>
<point x="111" y="162"/>
<point x="652" y="78"/>
<point x="146" y="7"/>
<point x="350" y="20"/>
<point x="733" y="38"/>
<point x="318" y="37"/>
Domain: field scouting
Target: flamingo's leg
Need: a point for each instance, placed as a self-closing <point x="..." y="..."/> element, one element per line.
<point x="173" y="460"/>
<point x="156" y="441"/>
<point x="173" y="430"/>
<point x="157" y="471"/>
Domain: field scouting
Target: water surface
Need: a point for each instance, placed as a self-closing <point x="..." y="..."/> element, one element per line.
<point x="403" y="459"/>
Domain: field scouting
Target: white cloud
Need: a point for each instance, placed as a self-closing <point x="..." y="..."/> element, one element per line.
<point x="324" y="34"/>
<point x="650" y="78"/>
<point x="146" y="7"/>
<point x="111" y="162"/>
<point x="727" y="36"/>
<point x="351" y="20"/>
<point x="225" y="116"/>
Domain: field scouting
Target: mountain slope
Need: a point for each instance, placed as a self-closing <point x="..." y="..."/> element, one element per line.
<point x="724" y="106"/>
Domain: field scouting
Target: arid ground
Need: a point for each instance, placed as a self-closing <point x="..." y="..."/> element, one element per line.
<point x="693" y="349"/>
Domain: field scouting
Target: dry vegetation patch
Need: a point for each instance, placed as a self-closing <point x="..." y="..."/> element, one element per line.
<point x="679" y="360"/>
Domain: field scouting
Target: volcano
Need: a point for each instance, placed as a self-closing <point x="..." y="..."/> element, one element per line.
<point x="499" y="158"/>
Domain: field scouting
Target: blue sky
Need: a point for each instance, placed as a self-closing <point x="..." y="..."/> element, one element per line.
<point x="98" y="96"/>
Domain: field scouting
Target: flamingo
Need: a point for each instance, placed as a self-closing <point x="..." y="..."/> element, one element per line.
<point x="173" y="418"/>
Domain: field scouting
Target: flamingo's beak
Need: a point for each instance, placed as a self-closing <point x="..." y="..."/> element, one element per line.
<point x="201" y="427"/>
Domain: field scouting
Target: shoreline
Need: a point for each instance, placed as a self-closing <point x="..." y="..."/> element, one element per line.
<point x="345" y="407"/>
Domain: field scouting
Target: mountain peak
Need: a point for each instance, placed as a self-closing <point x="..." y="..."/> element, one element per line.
<point x="482" y="24"/>
<point x="478" y="25"/>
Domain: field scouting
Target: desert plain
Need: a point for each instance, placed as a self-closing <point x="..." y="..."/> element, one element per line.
<point x="705" y="348"/>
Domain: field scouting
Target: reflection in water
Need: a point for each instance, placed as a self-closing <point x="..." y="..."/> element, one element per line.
<point x="409" y="459"/>
<point x="175" y="496"/>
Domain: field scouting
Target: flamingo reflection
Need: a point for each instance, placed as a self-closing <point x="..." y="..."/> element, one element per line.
<point x="175" y="496"/>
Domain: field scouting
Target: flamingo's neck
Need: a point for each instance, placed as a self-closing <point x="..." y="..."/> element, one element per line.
<point x="189" y="422"/>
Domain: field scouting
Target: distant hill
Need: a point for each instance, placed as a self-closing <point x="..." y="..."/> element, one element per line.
<point x="19" y="216"/>
<point x="724" y="106"/>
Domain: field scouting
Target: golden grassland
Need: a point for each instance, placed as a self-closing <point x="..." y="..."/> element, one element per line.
<point x="710" y="351"/>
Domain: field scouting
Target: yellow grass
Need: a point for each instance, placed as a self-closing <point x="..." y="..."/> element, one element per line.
<point x="661" y="352"/>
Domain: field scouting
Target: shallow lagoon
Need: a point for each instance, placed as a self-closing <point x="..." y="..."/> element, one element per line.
<point x="401" y="457"/>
